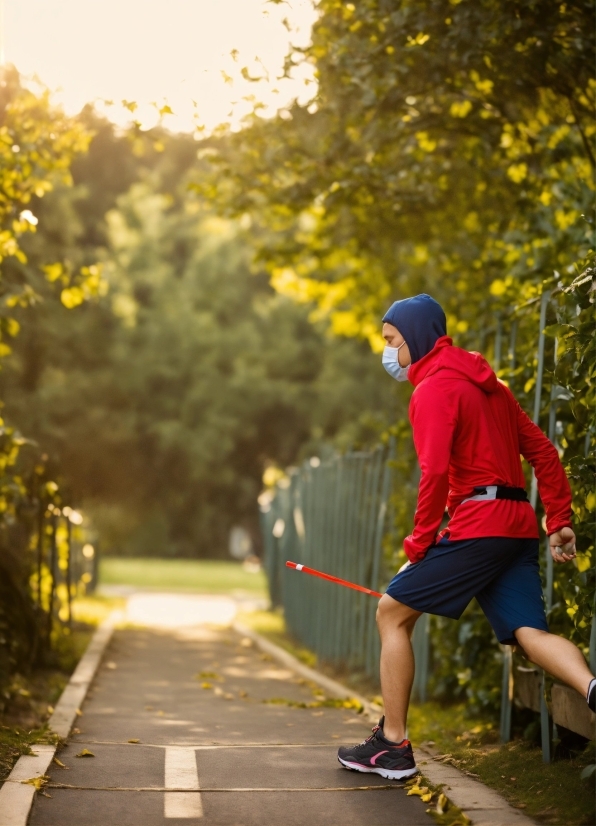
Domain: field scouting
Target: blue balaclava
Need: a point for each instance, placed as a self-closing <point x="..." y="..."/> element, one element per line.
<point x="420" y="320"/>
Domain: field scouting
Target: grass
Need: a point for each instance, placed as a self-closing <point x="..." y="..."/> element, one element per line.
<point x="205" y="576"/>
<point x="30" y="698"/>
<point x="551" y="794"/>
<point x="95" y="608"/>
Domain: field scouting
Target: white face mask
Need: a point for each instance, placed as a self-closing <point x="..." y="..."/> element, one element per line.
<point x="392" y="365"/>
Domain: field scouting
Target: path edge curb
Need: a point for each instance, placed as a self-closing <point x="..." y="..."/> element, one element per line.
<point x="16" y="795"/>
<point x="482" y="805"/>
<point x="332" y="687"/>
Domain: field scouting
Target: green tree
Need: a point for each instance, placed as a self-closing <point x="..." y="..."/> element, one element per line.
<point x="165" y="400"/>
<point x="448" y="148"/>
<point x="37" y="146"/>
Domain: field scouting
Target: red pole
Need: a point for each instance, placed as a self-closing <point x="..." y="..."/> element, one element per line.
<point x="344" y="582"/>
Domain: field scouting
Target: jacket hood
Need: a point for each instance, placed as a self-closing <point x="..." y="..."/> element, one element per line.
<point x="456" y="363"/>
<point x="420" y="320"/>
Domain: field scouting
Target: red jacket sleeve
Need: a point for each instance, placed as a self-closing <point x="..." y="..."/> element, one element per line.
<point x="553" y="485"/>
<point x="433" y="423"/>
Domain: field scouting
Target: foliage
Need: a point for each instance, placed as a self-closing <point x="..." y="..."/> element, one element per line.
<point x="448" y="148"/>
<point x="574" y="380"/>
<point x="37" y="146"/>
<point x="432" y="157"/>
<point x="194" y="374"/>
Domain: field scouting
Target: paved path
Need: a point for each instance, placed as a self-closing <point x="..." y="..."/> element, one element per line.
<point x="228" y="756"/>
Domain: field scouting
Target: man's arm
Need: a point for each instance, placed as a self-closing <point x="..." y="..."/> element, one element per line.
<point x="553" y="485"/>
<point x="433" y="422"/>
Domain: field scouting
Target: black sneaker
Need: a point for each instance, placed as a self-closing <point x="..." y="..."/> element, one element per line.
<point x="395" y="761"/>
<point x="592" y="695"/>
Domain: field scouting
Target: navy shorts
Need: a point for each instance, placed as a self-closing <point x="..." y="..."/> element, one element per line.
<point x="502" y="573"/>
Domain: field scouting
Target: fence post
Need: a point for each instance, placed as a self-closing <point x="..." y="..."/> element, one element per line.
<point x="539" y="376"/>
<point x="53" y="560"/>
<point x="507" y="684"/>
<point x="41" y="511"/>
<point x="552" y="425"/>
<point x="506" y="694"/>
<point x="68" y="570"/>
<point x="592" y="649"/>
<point x="373" y="638"/>
<point x="544" y="717"/>
<point x="421" y="646"/>
<point x="498" y="343"/>
<point x="512" y="343"/>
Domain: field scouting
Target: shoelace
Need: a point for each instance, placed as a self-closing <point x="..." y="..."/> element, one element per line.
<point x="370" y="737"/>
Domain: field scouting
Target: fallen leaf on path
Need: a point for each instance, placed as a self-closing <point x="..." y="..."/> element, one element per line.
<point x="208" y="675"/>
<point x="243" y="694"/>
<point x="228" y="696"/>
<point x="59" y="763"/>
<point x="218" y="691"/>
<point x="206" y="685"/>
<point x="133" y="740"/>
<point x="161" y="713"/>
<point x="76" y="730"/>
<point x="418" y="790"/>
<point x="78" y="712"/>
<point x="148" y="708"/>
<point x="442" y="804"/>
<point x="38" y="782"/>
<point x="85" y="753"/>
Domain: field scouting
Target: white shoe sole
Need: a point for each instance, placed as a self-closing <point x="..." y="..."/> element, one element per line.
<point x="386" y="773"/>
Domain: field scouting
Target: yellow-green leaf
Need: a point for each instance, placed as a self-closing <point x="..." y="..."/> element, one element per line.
<point x="72" y="297"/>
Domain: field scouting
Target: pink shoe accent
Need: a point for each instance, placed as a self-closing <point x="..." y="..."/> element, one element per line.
<point x="374" y="759"/>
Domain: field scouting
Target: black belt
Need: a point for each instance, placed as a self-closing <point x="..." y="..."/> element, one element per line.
<point x="486" y="493"/>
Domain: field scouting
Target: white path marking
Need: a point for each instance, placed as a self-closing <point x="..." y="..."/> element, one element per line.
<point x="181" y="773"/>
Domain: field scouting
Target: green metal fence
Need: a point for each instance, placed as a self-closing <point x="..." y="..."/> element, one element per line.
<point x="331" y="516"/>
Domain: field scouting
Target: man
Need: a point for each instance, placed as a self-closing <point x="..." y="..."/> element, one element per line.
<point x="469" y="432"/>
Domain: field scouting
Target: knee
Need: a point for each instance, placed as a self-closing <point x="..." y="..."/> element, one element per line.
<point x="527" y="638"/>
<point x="395" y="615"/>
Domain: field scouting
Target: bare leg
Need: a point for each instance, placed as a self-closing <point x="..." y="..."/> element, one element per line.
<point x="396" y="623"/>
<point x="556" y="655"/>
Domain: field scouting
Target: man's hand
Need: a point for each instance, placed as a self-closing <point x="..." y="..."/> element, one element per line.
<point x="562" y="545"/>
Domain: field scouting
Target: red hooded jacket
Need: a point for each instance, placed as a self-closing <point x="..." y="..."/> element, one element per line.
<point x="470" y="431"/>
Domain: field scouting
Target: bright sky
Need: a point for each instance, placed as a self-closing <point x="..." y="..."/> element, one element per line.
<point x="159" y="50"/>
